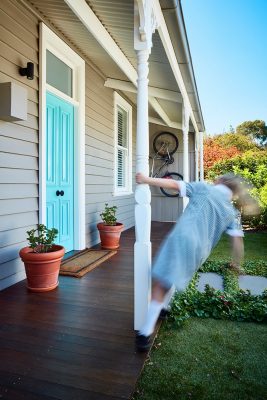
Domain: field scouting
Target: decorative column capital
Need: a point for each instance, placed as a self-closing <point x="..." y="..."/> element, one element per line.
<point x="145" y="24"/>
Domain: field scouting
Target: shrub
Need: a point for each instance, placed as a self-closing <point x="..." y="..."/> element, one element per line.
<point x="252" y="165"/>
<point x="232" y="303"/>
<point x="225" y="146"/>
<point x="41" y="239"/>
<point x="109" y="215"/>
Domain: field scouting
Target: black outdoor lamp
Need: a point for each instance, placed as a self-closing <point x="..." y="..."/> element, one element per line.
<point x="28" y="71"/>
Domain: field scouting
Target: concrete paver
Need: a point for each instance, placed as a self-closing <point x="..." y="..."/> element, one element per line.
<point x="256" y="284"/>
<point x="210" y="278"/>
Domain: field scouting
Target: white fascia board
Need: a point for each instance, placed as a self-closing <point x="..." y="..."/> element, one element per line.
<point x="82" y="10"/>
<point x="167" y="44"/>
<point x="152" y="91"/>
<point x="95" y="27"/>
<point x="159" y="93"/>
<point x="157" y="107"/>
<point x="118" y="84"/>
<point x="180" y="20"/>
<point x="156" y="121"/>
<point x="165" y="94"/>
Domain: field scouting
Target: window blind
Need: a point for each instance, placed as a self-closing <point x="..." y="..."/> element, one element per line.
<point x="122" y="148"/>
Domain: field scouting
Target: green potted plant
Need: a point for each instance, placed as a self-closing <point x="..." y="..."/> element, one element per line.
<point x="110" y="230"/>
<point x="42" y="259"/>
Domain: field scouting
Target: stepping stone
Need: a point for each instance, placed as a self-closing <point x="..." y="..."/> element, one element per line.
<point x="211" y="279"/>
<point x="256" y="284"/>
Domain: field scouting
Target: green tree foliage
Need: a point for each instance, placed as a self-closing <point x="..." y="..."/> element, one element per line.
<point x="252" y="165"/>
<point x="255" y="130"/>
<point x="241" y="142"/>
<point x="224" y="147"/>
<point x="231" y="129"/>
<point x="242" y="152"/>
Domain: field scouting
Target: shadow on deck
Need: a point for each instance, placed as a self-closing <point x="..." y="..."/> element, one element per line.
<point x="76" y="342"/>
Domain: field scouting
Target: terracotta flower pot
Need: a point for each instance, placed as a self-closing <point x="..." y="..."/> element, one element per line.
<point x="110" y="235"/>
<point x="42" y="269"/>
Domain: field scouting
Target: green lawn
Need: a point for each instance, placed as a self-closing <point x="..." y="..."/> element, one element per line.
<point x="207" y="360"/>
<point x="210" y="359"/>
<point x="255" y="245"/>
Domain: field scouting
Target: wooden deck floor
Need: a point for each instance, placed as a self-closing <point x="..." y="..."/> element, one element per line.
<point x="76" y="342"/>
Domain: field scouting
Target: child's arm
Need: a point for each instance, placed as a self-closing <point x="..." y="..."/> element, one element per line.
<point x="160" y="182"/>
<point x="236" y="234"/>
<point x="237" y="250"/>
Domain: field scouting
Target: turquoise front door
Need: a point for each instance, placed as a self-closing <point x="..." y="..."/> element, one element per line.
<point x="60" y="169"/>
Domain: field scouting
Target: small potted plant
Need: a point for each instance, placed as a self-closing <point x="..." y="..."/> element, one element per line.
<point x="42" y="259"/>
<point x="110" y="230"/>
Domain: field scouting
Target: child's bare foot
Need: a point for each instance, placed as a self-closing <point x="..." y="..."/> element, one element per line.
<point x="237" y="269"/>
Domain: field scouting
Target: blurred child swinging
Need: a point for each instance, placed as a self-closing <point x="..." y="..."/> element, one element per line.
<point x="207" y="216"/>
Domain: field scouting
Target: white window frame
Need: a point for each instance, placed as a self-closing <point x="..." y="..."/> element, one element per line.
<point x="122" y="103"/>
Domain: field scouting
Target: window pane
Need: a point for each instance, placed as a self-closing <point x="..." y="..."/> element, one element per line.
<point x="122" y="128"/>
<point x="58" y="74"/>
<point x="121" y="172"/>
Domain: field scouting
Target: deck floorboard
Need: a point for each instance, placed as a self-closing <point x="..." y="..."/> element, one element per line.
<point x="76" y="342"/>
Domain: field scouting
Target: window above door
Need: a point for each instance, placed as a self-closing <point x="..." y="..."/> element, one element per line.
<point x="59" y="74"/>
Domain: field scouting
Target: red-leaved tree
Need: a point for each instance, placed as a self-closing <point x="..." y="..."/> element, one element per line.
<point x="213" y="153"/>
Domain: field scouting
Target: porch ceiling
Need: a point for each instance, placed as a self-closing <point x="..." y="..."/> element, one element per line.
<point x="117" y="18"/>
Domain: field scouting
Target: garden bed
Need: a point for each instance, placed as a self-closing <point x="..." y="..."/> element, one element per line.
<point x="231" y="303"/>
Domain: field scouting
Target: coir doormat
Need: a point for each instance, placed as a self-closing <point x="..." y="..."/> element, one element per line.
<point x="83" y="262"/>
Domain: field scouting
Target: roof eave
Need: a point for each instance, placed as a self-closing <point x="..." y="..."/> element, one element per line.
<point x="174" y="6"/>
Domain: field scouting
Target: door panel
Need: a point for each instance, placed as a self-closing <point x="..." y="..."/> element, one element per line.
<point x="59" y="169"/>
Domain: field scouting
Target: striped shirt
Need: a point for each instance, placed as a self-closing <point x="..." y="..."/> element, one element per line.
<point x="207" y="216"/>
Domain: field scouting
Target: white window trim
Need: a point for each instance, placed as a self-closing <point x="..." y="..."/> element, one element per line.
<point x="50" y="41"/>
<point x="122" y="103"/>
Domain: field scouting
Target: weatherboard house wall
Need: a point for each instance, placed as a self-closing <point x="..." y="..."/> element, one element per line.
<point x="21" y="181"/>
<point x="19" y="146"/>
<point x="165" y="209"/>
<point x="18" y="141"/>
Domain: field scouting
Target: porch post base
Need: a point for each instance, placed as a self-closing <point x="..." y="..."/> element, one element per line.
<point x="142" y="282"/>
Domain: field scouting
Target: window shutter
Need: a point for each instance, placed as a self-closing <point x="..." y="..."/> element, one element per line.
<point x="122" y="150"/>
<point x="121" y="169"/>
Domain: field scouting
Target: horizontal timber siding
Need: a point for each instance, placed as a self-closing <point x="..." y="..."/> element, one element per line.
<point x="99" y="157"/>
<point x="18" y="141"/>
<point x="19" y="146"/>
<point x="165" y="209"/>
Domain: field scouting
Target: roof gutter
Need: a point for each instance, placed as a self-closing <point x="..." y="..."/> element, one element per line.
<point x="174" y="6"/>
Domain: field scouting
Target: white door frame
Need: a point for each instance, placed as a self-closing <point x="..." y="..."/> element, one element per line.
<point x="50" y="41"/>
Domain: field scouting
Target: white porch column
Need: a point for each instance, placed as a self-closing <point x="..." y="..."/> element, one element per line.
<point x="197" y="156"/>
<point x="201" y="155"/>
<point x="144" y="25"/>
<point x="142" y="247"/>
<point x="185" y="128"/>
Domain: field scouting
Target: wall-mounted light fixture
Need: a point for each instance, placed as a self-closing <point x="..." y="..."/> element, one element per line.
<point x="28" y="71"/>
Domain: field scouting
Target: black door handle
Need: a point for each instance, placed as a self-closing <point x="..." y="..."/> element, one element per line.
<point x="60" y="192"/>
